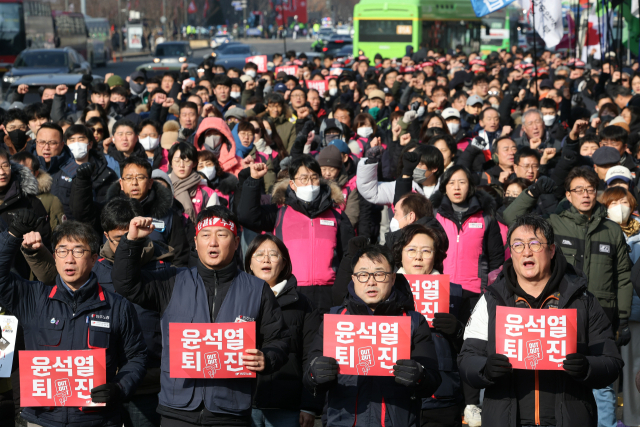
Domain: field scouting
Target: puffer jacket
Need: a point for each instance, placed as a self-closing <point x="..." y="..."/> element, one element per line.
<point x="595" y="245"/>
<point x="475" y="242"/>
<point x="227" y="158"/>
<point x="51" y="203"/>
<point x="373" y="191"/>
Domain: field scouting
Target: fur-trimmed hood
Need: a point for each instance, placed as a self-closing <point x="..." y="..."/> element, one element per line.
<point x="280" y="193"/>
<point x="45" y="181"/>
<point x="156" y="205"/>
<point x="25" y="179"/>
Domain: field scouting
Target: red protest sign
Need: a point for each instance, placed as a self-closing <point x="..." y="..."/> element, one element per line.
<point x="536" y="338"/>
<point x="210" y="350"/>
<point x="291" y="70"/>
<point x="336" y="71"/>
<point x="319" y="85"/>
<point x="430" y="294"/>
<point x="259" y="60"/>
<point x="367" y="345"/>
<point x="60" y="377"/>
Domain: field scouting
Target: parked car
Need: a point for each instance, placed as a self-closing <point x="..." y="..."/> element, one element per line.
<point x="232" y="54"/>
<point x="220" y="39"/>
<point x="335" y="43"/>
<point x="173" y="52"/>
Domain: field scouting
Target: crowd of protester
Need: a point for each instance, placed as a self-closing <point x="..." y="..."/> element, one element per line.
<point x="239" y="193"/>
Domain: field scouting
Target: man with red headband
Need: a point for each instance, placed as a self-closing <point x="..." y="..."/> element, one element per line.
<point x="215" y="290"/>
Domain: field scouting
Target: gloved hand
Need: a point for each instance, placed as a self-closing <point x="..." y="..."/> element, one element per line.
<point x="576" y="365"/>
<point x="480" y="143"/>
<point x="323" y="370"/>
<point x="306" y="128"/>
<point x="106" y="393"/>
<point x="409" y="116"/>
<point x="374" y="154"/>
<point x="84" y="171"/>
<point x="409" y="162"/>
<point x="86" y="80"/>
<point x="357" y="243"/>
<point x="259" y="108"/>
<point x="408" y="372"/>
<point x="262" y="83"/>
<point x="544" y="185"/>
<point x="624" y="334"/>
<point x="497" y="366"/>
<point x="446" y="323"/>
<point x="23" y="221"/>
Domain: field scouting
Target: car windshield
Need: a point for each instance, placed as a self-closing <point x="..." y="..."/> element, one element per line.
<point x="41" y="59"/>
<point x="171" y="50"/>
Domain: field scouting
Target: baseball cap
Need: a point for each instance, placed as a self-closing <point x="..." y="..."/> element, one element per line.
<point x="340" y="145"/>
<point x="474" y="99"/>
<point x="115" y="81"/>
<point x="376" y="94"/>
<point x="618" y="172"/>
<point x="330" y="156"/>
<point x="280" y="87"/>
<point x="447" y="113"/>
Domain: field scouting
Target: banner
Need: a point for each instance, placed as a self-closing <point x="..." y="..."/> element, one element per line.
<point x="430" y="294"/>
<point x="536" y="339"/>
<point x="335" y="71"/>
<point x="548" y="19"/>
<point x="61" y="377"/>
<point x="9" y="326"/>
<point x="367" y="345"/>
<point x="210" y="350"/>
<point x="291" y="70"/>
<point x="319" y="85"/>
<point x="485" y="7"/>
<point x="260" y="61"/>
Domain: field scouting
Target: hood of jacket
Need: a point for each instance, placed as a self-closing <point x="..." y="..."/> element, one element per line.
<point x="157" y="204"/>
<point x="45" y="181"/>
<point x="27" y="182"/>
<point x="399" y="301"/>
<point x="330" y="124"/>
<point x="227" y="156"/>
<point x="330" y="194"/>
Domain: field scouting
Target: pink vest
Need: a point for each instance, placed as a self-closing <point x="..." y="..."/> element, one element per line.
<point x="504" y="230"/>
<point x="465" y="259"/>
<point x="164" y="163"/>
<point x="312" y="244"/>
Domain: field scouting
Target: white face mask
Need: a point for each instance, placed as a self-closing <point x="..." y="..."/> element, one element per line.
<point x="453" y="128"/>
<point x="619" y="213"/>
<point x="394" y="225"/>
<point x="365" y="131"/>
<point x="251" y="73"/>
<point x="79" y="149"/>
<point x="308" y="193"/>
<point x="235" y="95"/>
<point x="333" y="91"/>
<point x="496" y="106"/>
<point x="212" y="141"/>
<point x="149" y="143"/>
<point x="208" y="171"/>
<point x="548" y="119"/>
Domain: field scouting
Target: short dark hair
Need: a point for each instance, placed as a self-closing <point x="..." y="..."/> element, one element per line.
<point x="432" y="157"/>
<point x="245" y="125"/>
<point x="440" y="244"/>
<point x="101" y="89"/>
<point x="483" y="112"/>
<point x="416" y="203"/>
<point x="217" y="211"/>
<point x="619" y="90"/>
<point x="78" y="232"/>
<point x="24" y="155"/>
<point x="37" y="110"/>
<point x="149" y="122"/>
<point x="138" y="161"/>
<point x="548" y="103"/>
<point x="449" y="140"/>
<point x="588" y="174"/>
<point x="614" y="133"/>
<point x="221" y="80"/>
<point x="187" y="152"/>
<point x="120" y="90"/>
<point x="123" y="122"/>
<point x="78" y="130"/>
<point x="374" y="253"/>
<point x="189" y="106"/>
<point x="535" y="222"/>
<point x="446" y="177"/>
<point x="274" y="98"/>
<point x="52" y="126"/>
<point x="287" y="270"/>
<point x="524" y="152"/>
<point x="306" y="161"/>
<point x="480" y="78"/>
<point x="523" y="183"/>
<point x="118" y="213"/>
<point x="14" y="114"/>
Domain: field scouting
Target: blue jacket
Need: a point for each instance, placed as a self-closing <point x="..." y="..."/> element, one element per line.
<point x="34" y="304"/>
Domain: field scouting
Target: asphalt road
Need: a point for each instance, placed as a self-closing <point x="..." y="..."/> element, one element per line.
<point x="265" y="47"/>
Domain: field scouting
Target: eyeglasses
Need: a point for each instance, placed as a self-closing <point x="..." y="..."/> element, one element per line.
<point x="304" y="180"/>
<point x="186" y="162"/>
<point x="130" y="178"/>
<point x="5" y="166"/>
<point x="260" y="256"/>
<point x="535" y="246"/>
<point x="425" y="253"/>
<point x="532" y="166"/>
<point x="77" y="252"/>
<point x="97" y="130"/>
<point x="379" y="276"/>
<point x="580" y="190"/>
<point x="51" y="144"/>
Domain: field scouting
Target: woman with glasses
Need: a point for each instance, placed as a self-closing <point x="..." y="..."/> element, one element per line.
<point x="280" y="398"/>
<point x="421" y="250"/>
<point x="188" y="188"/>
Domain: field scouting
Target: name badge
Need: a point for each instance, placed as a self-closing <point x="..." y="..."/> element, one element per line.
<point x="475" y="225"/>
<point x="158" y="225"/>
<point x="100" y="324"/>
<point x="327" y="222"/>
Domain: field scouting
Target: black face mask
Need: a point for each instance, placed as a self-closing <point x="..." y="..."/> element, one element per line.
<point x="508" y="200"/>
<point x="18" y="138"/>
<point x="119" y="106"/>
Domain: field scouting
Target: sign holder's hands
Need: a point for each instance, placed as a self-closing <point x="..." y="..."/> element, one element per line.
<point x="306" y="419"/>
<point x="408" y="372"/>
<point x="140" y="227"/>
<point x="576" y="365"/>
<point x="254" y="361"/>
<point x="497" y="366"/>
<point x="446" y="323"/>
<point x="106" y="393"/>
<point x="323" y="370"/>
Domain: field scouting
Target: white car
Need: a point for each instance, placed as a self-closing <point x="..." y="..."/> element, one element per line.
<point x="220" y="39"/>
<point x="343" y="30"/>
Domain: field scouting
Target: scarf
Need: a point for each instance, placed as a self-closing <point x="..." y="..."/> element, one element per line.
<point x="262" y="147"/>
<point x="243" y="151"/>
<point x="632" y="228"/>
<point x="184" y="190"/>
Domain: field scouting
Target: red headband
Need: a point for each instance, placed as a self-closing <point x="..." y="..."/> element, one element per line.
<point x="216" y="222"/>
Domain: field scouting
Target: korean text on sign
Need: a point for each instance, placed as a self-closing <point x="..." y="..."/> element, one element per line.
<point x="319" y="85"/>
<point x="367" y="345"/>
<point x="210" y="350"/>
<point x="61" y="378"/>
<point x="259" y="60"/>
<point x="535" y="339"/>
<point x="290" y="70"/>
<point x="430" y="294"/>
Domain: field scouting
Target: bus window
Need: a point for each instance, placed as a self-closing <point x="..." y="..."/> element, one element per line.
<point x="385" y="31"/>
<point x="12" y="33"/>
<point x="449" y="34"/>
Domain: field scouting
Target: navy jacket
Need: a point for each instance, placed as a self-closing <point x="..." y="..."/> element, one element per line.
<point x="35" y="304"/>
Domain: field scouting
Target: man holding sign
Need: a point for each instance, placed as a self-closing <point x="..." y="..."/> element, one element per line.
<point x="376" y="383"/>
<point x="208" y="372"/>
<point x="537" y="341"/>
<point x="74" y="314"/>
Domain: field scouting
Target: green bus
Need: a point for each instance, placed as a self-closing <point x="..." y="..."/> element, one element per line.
<point x="388" y="28"/>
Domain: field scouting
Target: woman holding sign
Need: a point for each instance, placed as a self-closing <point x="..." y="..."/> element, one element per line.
<point x="416" y="253"/>
<point x="280" y="399"/>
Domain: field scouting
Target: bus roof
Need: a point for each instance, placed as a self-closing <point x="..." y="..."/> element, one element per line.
<point x="429" y="9"/>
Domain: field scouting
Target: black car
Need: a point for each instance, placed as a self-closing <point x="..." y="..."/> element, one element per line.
<point x="232" y="54"/>
<point x="335" y="43"/>
<point x="173" y="52"/>
<point x="46" y="61"/>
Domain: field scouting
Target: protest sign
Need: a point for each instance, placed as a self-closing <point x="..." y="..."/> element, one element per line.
<point x="430" y="294"/>
<point x="9" y="326"/>
<point x="259" y="60"/>
<point x="319" y="85"/>
<point x="291" y="70"/>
